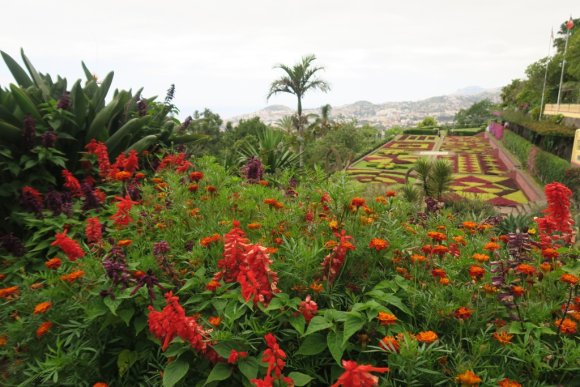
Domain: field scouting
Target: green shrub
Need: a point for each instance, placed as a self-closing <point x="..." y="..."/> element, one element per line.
<point x="466" y="131"/>
<point x="544" y="128"/>
<point x="430" y="131"/>
<point x="550" y="168"/>
<point x="518" y="146"/>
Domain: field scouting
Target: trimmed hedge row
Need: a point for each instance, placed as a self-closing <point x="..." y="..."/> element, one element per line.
<point x="545" y="166"/>
<point x="543" y="128"/>
<point x="465" y="132"/>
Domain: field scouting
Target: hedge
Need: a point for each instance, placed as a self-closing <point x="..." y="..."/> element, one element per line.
<point x="550" y="168"/>
<point x="518" y="146"/>
<point x="543" y="128"/>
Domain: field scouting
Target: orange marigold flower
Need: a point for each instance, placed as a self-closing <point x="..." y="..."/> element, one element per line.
<point x="518" y="291"/>
<point x="390" y="343"/>
<point x="504" y="238"/>
<point x="43" y="329"/>
<point x="254" y="226"/>
<point x="36" y="286"/>
<point x="476" y="272"/>
<point x="427" y="337"/>
<point x="468" y="378"/>
<point x="192" y="187"/>
<point x="122" y="176"/>
<point x="214" y="320"/>
<point x="381" y="200"/>
<point x="211" y="189"/>
<point x="53" y="263"/>
<point x="566" y="326"/>
<point x="124" y="242"/>
<point x="378" y="244"/>
<point x="440" y="250"/>
<point x="357" y="202"/>
<point x="264" y="183"/>
<point x="139" y="176"/>
<point x="460" y="240"/>
<point x="196" y="175"/>
<point x="387" y="318"/>
<point x="205" y="242"/>
<point x="72" y="277"/>
<point x="481" y="258"/>
<point x="469" y="225"/>
<point x="550" y="253"/>
<point x="491" y="246"/>
<point x="463" y="313"/>
<point x="444" y="281"/>
<point x="212" y="285"/>
<point x="525" y="269"/>
<point x="437" y="236"/>
<point x="43" y="307"/>
<point x="503" y="337"/>
<point x="569" y="279"/>
<point x="3" y="340"/>
<point x="100" y="384"/>
<point x="391" y="194"/>
<point x="316" y="287"/>
<point x="273" y="203"/>
<point x="509" y="383"/>
<point x="438" y="273"/>
<point x="418" y="258"/>
<point x="546" y="267"/>
<point x="490" y="289"/>
<point x="7" y="292"/>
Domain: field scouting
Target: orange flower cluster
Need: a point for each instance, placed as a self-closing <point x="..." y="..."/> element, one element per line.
<point x="569" y="279"/>
<point x="481" y="258"/>
<point x="463" y="313"/>
<point x="8" y="292"/>
<point x="468" y="378"/>
<point x="387" y="318"/>
<point x="491" y="246"/>
<point x="390" y="344"/>
<point x="526" y="269"/>
<point x="43" y="307"/>
<point x="72" y="277"/>
<point x="378" y="244"/>
<point x="427" y="337"/>
<point x="566" y="326"/>
<point x="476" y="272"/>
<point x="503" y="337"/>
<point x="357" y="202"/>
<point x="205" y="242"/>
<point x="43" y="329"/>
<point x="509" y="383"/>
<point x="437" y="236"/>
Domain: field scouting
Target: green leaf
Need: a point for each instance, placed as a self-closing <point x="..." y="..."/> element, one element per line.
<point x="249" y="367"/>
<point x="224" y="348"/>
<point x="318" y="323"/>
<point x="335" y="344"/>
<point x="126" y="315"/>
<point x="354" y="323"/>
<point x="390" y="299"/>
<point x="113" y="305"/>
<point x="18" y="72"/>
<point x="125" y="360"/>
<point x="221" y="371"/>
<point x="300" y="379"/>
<point x="40" y="83"/>
<point x="131" y="128"/>
<point x="312" y="345"/>
<point x="25" y="103"/>
<point x="298" y="322"/>
<point x="174" y="372"/>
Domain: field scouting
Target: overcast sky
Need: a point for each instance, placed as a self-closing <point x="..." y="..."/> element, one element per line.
<point x="220" y="53"/>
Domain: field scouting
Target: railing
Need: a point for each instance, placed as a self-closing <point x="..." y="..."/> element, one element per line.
<point x="567" y="110"/>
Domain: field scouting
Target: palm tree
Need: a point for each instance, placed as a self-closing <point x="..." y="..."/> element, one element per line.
<point x="298" y="80"/>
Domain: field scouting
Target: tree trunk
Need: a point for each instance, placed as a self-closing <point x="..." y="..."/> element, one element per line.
<point x="300" y="131"/>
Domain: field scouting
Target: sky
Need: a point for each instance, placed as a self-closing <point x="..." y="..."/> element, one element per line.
<point x="220" y="54"/>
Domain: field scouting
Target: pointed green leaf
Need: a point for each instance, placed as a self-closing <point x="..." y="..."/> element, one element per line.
<point x="131" y="128"/>
<point x="174" y="372"/>
<point x="144" y="143"/>
<point x="300" y="379"/>
<point x="249" y="367"/>
<point x="312" y="345"/>
<point x="24" y="102"/>
<point x="221" y="371"/>
<point x="88" y="73"/>
<point x="18" y="72"/>
<point x="9" y="133"/>
<point x="353" y="323"/>
<point x="39" y="82"/>
<point x="318" y="323"/>
<point x="101" y="94"/>
<point x="335" y="345"/>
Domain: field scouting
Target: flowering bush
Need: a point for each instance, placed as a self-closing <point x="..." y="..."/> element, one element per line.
<point x="161" y="284"/>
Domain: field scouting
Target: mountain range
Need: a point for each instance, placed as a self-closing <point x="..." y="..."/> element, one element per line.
<point x="389" y="114"/>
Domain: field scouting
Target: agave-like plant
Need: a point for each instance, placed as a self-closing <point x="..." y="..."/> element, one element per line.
<point x="272" y="149"/>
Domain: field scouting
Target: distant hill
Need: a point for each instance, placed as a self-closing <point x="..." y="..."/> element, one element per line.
<point x="388" y="114"/>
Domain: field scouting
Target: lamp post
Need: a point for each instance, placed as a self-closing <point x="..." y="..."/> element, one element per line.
<point x="569" y="26"/>
<point x="546" y="76"/>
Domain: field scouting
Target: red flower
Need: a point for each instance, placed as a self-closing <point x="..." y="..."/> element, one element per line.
<point x="569" y="279"/>
<point x="235" y="356"/>
<point x="438" y="273"/>
<point x="518" y="291"/>
<point x="509" y="383"/>
<point x="257" y="280"/>
<point x="196" y="175"/>
<point x="234" y="253"/>
<point x="100" y="150"/>
<point x="550" y="253"/>
<point x="358" y="375"/>
<point x="526" y="269"/>
<point x="357" y="202"/>
<point x="437" y="236"/>
<point x="391" y="194"/>
<point x="122" y="216"/>
<point x="308" y="308"/>
<point x="171" y="322"/>
<point x="70" y="247"/>
<point x="94" y="230"/>
<point x="132" y="162"/>
<point x="333" y="262"/>
<point x="70" y="182"/>
<point x="463" y="313"/>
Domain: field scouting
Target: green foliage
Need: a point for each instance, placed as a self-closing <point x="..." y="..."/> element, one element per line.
<point x="518" y="146"/>
<point x="272" y="149"/>
<point x="476" y="115"/>
<point x="427" y="122"/>
<point x="430" y="131"/>
<point x="544" y="128"/>
<point x="434" y="177"/>
<point x="550" y="168"/>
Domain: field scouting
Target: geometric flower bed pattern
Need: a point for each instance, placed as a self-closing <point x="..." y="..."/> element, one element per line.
<point x="478" y="171"/>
